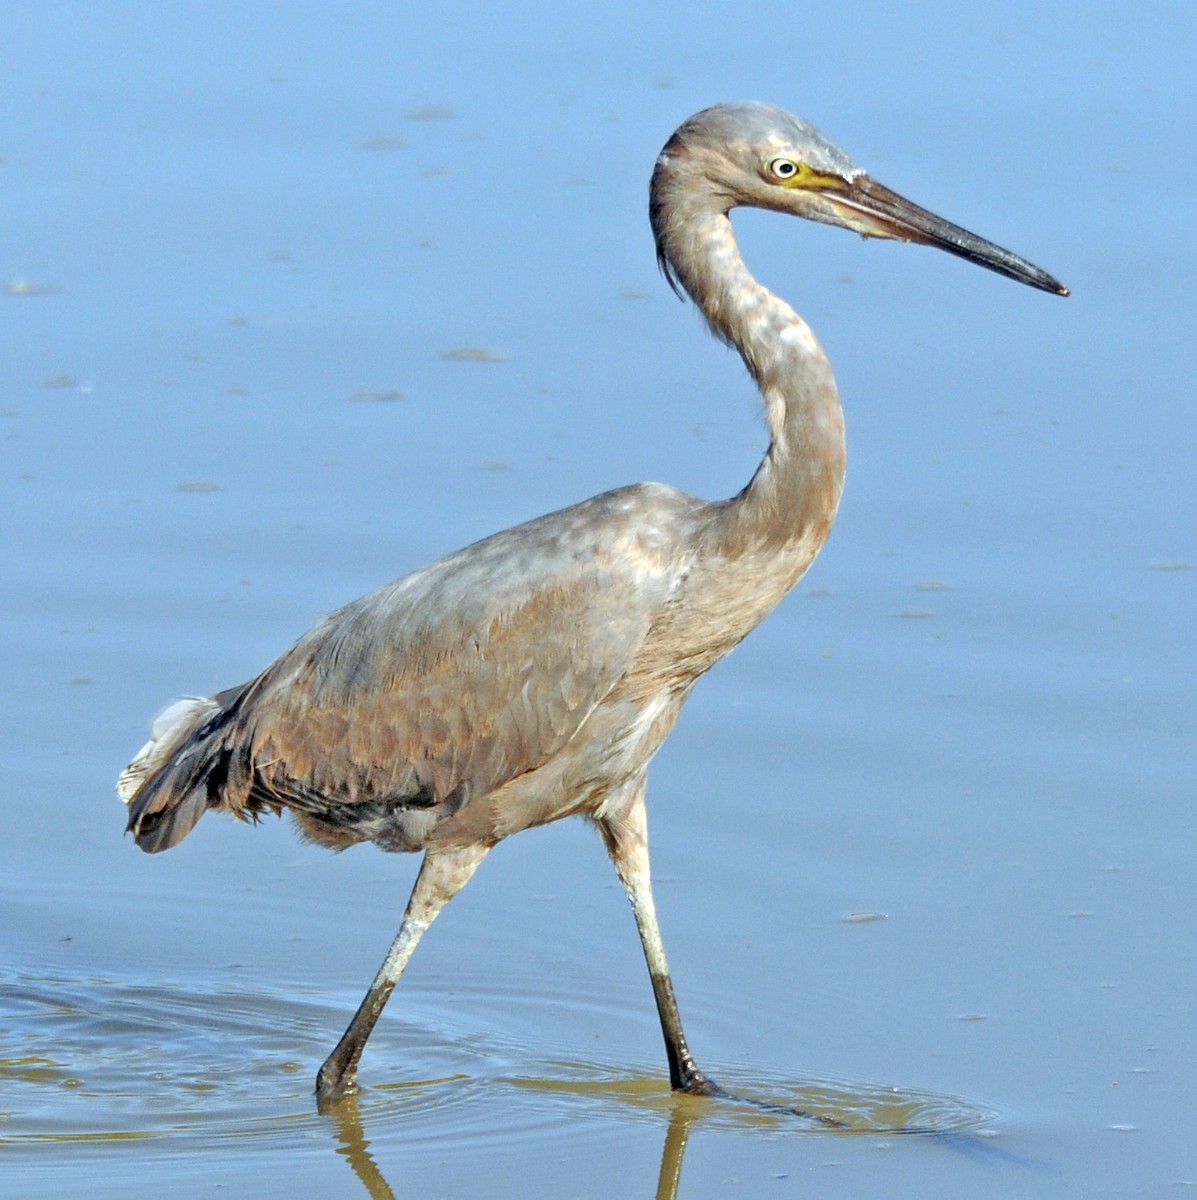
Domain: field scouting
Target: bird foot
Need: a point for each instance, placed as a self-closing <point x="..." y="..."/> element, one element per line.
<point x="333" y="1084"/>
<point x="695" y="1083"/>
<point x="687" y="1077"/>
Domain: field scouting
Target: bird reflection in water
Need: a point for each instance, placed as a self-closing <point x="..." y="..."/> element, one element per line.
<point x="828" y="1107"/>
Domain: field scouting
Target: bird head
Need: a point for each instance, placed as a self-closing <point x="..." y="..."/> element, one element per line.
<point x="764" y="157"/>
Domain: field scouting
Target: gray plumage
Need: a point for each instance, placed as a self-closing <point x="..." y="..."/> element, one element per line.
<point x="533" y="675"/>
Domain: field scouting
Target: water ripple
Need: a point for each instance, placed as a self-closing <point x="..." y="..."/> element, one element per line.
<point x="103" y="1059"/>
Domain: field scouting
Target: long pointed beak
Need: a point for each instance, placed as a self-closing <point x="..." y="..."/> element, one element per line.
<point x="872" y="209"/>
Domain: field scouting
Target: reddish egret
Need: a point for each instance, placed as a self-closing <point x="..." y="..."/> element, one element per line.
<point x="533" y="675"/>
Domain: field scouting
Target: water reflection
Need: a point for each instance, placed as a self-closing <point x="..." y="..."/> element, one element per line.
<point x="823" y="1107"/>
<point x="219" y="1071"/>
<point x="345" y="1117"/>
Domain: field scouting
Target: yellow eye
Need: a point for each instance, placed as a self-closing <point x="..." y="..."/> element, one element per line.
<point x="784" y="170"/>
<point x="793" y="173"/>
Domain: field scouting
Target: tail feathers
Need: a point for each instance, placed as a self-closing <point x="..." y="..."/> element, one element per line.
<point x="167" y="786"/>
<point x="170" y="727"/>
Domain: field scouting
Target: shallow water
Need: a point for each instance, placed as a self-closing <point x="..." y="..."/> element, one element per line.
<point x="296" y="301"/>
<point x="210" y="1078"/>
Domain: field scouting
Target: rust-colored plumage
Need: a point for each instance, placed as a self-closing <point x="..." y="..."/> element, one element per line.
<point x="533" y="675"/>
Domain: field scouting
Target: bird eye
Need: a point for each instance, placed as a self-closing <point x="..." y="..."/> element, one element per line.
<point x="784" y="168"/>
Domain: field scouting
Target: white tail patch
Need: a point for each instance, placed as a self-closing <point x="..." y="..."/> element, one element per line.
<point x="170" y="727"/>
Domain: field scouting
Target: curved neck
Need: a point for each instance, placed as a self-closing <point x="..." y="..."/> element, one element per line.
<point x="792" y="499"/>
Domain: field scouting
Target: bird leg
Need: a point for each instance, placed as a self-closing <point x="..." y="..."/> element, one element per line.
<point x="442" y="875"/>
<point x="626" y="835"/>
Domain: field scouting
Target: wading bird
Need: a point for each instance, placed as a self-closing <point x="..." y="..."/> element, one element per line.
<point x="534" y="674"/>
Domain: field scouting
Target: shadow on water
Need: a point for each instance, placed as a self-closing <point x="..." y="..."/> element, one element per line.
<point x="101" y="1062"/>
